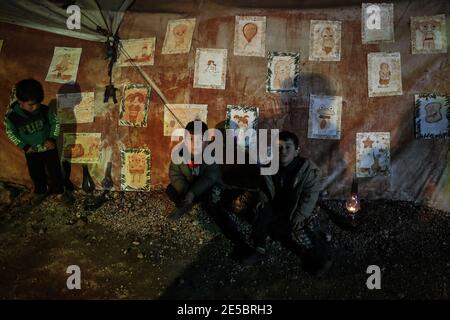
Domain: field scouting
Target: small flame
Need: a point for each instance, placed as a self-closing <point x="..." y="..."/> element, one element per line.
<point x="352" y="204"/>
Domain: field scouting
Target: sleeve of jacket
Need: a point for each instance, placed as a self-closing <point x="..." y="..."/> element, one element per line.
<point x="54" y="125"/>
<point x="13" y="134"/>
<point x="210" y="176"/>
<point x="177" y="179"/>
<point x="309" y="194"/>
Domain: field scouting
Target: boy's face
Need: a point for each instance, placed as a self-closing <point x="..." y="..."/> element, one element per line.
<point x="287" y="152"/>
<point x="29" y="106"/>
<point x="196" y="145"/>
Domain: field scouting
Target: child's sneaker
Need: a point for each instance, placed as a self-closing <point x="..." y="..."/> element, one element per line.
<point x="178" y="212"/>
<point x="66" y="198"/>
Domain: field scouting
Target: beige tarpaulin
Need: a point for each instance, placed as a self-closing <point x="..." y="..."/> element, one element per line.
<point x="47" y="16"/>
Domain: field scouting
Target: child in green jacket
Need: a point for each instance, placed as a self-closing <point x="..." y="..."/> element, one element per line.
<point x="32" y="127"/>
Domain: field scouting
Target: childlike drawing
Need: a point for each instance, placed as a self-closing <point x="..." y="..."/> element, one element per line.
<point x="328" y="39"/>
<point x="136" y="166"/>
<point x="433" y="112"/>
<point x="368" y="143"/>
<point x="211" y="67"/>
<point x="428" y="29"/>
<point x="376" y="167"/>
<point x="179" y="32"/>
<point x="143" y="57"/>
<point x="74" y="150"/>
<point x="134" y="106"/>
<point x="367" y="162"/>
<point x="384" y="74"/>
<point x="93" y="148"/>
<point x="241" y="121"/>
<point x="63" y="67"/>
<point x="282" y="71"/>
<point x="249" y="30"/>
<point x="325" y="114"/>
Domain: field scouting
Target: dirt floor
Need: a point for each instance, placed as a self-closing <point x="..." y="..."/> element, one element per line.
<point x="128" y="249"/>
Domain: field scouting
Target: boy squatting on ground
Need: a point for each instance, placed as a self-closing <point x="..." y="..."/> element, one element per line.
<point x="32" y="127"/>
<point x="191" y="183"/>
<point x="284" y="210"/>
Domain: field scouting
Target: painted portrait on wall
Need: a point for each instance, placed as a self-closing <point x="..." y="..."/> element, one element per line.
<point x="139" y="52"/>
<point x="373" y="154"/>
<point x="324" y="117"/>
<point x="134" y="105"/>
<point x="81" y="147"/>
<point x="432" y="116"/>
<point x="385" y="74"/>
<point x="428" y="34"/>
<point x="178" y="36"/>
<point x="283" y="72"/>
<point x="241" y="119"/>
<point x="184" y="113"/>
<point x="64" y="65"/>
<point x="210" y="68"/>
<point x="135" y="170"/>
<point x="325" y="40"/>
<point x="75" y="107"/>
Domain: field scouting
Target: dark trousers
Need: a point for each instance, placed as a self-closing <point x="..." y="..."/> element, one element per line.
<point x="45" y="171"/>
<point x="270" y="223"/>
<point x="213" y="205"/>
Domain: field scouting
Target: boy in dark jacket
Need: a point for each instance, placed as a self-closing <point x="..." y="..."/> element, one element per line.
<point x="285" y="209"/>
<point x="190" y="183"/>
<point x="32" y="127"/>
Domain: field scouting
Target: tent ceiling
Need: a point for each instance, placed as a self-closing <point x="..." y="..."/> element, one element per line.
<point x="186" y="6"/>
<point x="192" y="5"/>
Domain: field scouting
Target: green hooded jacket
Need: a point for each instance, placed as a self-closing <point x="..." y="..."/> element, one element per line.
<point x="30" y="129"/>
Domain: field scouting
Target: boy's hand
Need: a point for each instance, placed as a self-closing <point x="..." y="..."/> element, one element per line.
<point x="188" y="199"/>
<point x="49" y="145"/>
<point x="30" y="150"/>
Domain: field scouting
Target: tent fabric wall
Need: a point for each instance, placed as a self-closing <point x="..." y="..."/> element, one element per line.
<point x="47" y="16"/>
<point x="420" y="168"/>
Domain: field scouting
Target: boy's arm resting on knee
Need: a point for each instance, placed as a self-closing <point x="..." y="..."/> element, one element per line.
<point x="13" y="135"/>
<point x="206" y="180"/>
<point x="177" y="179"/>
<point x="309" y="195"/>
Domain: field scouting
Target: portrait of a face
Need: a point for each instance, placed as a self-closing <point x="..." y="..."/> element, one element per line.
<point x="135" y="169"/>
<point x="283" y="72"/>
<point x="325" y="40"/>
<point x="428" y="34"/>
<point x="179" y="31"/>
<point x="328" y="39"/>
<point x="134" y="105"/>
<point x="283" y="77"/>
<point x="178" y="37"/>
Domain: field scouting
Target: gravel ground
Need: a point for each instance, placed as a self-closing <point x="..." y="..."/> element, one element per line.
<point x="128" y="249"/>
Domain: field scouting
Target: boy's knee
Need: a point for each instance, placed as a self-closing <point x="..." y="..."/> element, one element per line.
<point x="173" y="194"/>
